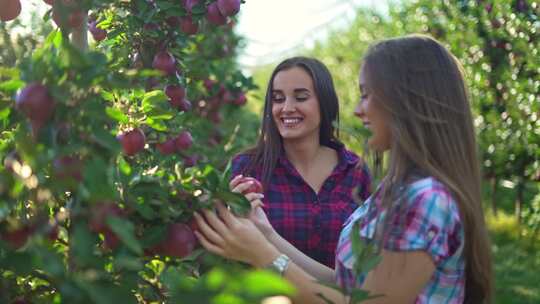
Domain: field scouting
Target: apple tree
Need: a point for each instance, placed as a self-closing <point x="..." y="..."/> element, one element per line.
<point x="109" y="147"/>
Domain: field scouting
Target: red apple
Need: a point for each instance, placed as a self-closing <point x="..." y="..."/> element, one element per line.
<point x="99" y="213"/>
<point x="164" y="62"/>
<point x="11" y="9"/>
<point x="188" y="26"/>
<point x="151" y="26"/>
<point x="216" y="117"/>
<point x="228" y="7"/>
<point x="132" y="141"/>
<point x="36" y="102"/>
<point x="189" y="4"/>
<point x="240" y="99"/>
<point x="190" y="161"/>
<point x="49" y="2"/>
<point x="179" y="242"/>
<point x="168" y="147"/>
<point x="255" y="187"/>
<point x="173" y="21"/>
<point x="68" y="169"/>
<point x="17" y="238"/>
<point x="214" y="16"/>
<point x="184" y="141"/>
<point x="98" y="33"/>
<point x="176" y="92"/>
<point x="185" y="105"/>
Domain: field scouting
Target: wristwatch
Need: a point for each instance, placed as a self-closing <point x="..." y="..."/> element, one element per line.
<point x="280" y="264"/>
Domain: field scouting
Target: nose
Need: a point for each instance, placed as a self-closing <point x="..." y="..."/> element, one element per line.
<point x="288" y="105"/>
<point x="358" y="110"/>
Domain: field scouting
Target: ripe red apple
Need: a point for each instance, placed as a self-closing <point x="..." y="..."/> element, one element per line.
<point x="190" y="161"/>
<point x="240" y="100"/>
<point x="68" y="169"/>
<point x="168" y="147"/>
<point x="184" y="141"/>
<point x="255" y="187"/>
<point x="214" y="16"/>
<point x="53" y="232"/>
<point x="228" y="7"/>
<point x="175" y="91"/>
<point x="99" y="213"/>
<point x="151" y="26"/>
<point x="17" y="238"/>
<point x="189" y="4"/>
<point x="173" y="21"/>
<point x="179" y="242"/>
<point x="35" y="102"/>
<point x="216" y="117"/>
<point x="11" y="9"/>
<point x="185" y="105"/>
<point x="132" y="141"/>
<point x="164" y="62"/>
<point x="188" y="26"/>
<point x="98" y="33"/>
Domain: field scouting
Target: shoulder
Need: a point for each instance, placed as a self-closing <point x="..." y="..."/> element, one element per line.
<point x="427" y="205"/>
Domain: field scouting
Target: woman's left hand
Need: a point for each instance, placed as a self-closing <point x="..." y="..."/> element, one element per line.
<point x="233" y="237"/>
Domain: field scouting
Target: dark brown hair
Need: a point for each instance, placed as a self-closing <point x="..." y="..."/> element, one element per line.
<point x="265" y="154"/>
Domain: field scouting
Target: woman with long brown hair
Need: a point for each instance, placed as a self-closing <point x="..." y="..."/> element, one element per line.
<point x="309" y="177"/>
<point x="425" y="217"/>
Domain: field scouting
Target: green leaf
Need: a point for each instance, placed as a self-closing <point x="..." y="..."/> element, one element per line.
<point x="157" y="125"/>
<point x="264" y="283"/>
<point x="117" y="114"/>
<point x="124" y="166"/>
<point x="124" y="229"/>
<point x="11" y="85"/>
<point x="152" y="99"/>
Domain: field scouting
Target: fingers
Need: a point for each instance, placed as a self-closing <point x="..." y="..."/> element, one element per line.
<point x="229" y="219"/>
<point x="235" y="181"/>
<point x="254" y="196"/>
<point x="241" y="187"/>
<point x="207" y="231"/>
<point x="208" y="245"/>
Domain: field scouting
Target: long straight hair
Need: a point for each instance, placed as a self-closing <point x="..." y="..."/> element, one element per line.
<point x="420" y="84"/>
<point x="265" y="154"/>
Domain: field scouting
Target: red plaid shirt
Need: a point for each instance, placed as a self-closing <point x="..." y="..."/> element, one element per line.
<point x="312" y="222"/>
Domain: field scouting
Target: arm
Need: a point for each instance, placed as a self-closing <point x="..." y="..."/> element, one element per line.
<point x="239" y="239"/>
<point x="400" y="277"/>
<point x="258" y="217"/>
<point x="315" y="269"/>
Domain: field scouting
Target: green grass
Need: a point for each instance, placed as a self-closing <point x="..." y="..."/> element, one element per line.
<point x="516" y="252"/>
<point x="516" y="262"/>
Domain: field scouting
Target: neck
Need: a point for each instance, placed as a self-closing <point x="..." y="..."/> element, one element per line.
<point x="302" y="153"/>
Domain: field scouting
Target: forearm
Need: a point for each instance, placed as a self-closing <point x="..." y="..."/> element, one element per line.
<point x="308" y="290"/>
<point x="309" y="265"/>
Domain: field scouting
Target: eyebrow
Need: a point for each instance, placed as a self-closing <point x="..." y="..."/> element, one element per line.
<point x="298" y="90"/>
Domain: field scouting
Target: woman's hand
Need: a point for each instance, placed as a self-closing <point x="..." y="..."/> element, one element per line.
<point x="257" y="214"/>
<point x="234" y="238"/>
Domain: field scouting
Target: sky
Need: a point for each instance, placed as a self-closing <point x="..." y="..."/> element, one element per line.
<point x="273" y="28"/>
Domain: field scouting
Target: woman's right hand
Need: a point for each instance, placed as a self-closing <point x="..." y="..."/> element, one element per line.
<point x="257" y="215"/>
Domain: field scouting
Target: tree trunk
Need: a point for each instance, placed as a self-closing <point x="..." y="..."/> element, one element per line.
<point x="79" y="36"/>
<point x="519" y="198"/>
<point x="494" y="182"/>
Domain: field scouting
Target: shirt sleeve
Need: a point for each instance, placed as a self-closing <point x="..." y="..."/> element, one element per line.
<point x="428" y="221"/>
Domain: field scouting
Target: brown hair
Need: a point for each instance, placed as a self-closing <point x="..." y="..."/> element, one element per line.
<point x="265" y="154"/>
<point x="420" y="84"/>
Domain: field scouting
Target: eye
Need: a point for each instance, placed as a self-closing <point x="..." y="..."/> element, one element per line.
<point x="278" y="98"/>
<point x="302" y="97"/>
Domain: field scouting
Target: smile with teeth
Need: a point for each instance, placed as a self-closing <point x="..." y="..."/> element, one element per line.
<point x="291" y="121"/>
